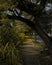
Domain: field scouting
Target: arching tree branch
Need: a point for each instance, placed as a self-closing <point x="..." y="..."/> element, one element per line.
<point x="37" y="28"/>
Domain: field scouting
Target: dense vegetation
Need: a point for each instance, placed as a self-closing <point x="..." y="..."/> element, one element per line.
<point x="13" y="32"/>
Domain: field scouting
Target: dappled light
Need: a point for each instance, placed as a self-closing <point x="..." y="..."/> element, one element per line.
<point x="26" y="32"/>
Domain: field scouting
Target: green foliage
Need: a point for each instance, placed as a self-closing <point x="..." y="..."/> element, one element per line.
<point x="13" y="36"/>
<point x="9" y="41"/>
<point x="9" y="36"/>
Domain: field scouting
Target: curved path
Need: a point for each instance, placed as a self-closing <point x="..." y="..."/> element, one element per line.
<point x="30" y="52"/>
